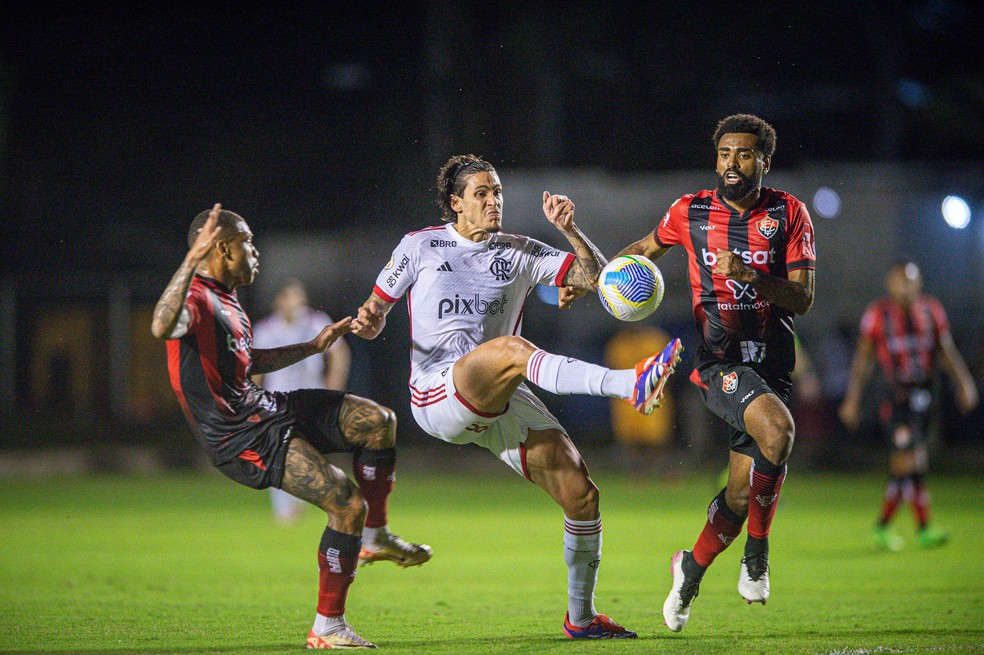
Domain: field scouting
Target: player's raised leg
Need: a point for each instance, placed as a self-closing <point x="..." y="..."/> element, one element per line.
<point x="372" y="429"/>
<point x="490" y="374"/>
<point x="308" y="475"/>
<point x="554" y="464"/>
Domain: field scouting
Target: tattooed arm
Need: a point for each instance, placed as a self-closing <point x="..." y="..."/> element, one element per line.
<point x="171" y="317"/>
<point x="583" y="273"/>
<point x="267" y="360"/>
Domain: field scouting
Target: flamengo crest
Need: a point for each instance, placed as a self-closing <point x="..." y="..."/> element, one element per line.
<point x="767" y="227"/>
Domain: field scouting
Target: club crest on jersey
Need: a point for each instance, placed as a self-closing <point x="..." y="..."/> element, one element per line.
<point x="500" y="268"/>
<point x="767" y="227"/>
<point x="730" y="382"/>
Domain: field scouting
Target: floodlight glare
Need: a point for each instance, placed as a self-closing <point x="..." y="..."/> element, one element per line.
<point x="956" y="212"/>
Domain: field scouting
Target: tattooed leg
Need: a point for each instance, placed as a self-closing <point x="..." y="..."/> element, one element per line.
<point x="308" y="475"/>
<point x="367" y="424"/>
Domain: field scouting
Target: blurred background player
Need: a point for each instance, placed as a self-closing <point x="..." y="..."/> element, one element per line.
<point x="260" y="438"/>
<point x="908" y="334"/>
<point x="644" y="442"/>
<point x="750" y="253"/>
<point x="294" y="321"/>
<point x="467" y="283"/>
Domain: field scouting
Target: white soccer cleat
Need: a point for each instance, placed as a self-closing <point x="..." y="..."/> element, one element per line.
<point x="753" y="579"/>
<point x="393" y="549"/>
<point x="676" y="608"/>
<point x="344" y="638"/>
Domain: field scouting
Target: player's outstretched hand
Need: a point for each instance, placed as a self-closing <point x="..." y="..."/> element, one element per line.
<point x="559" y="210"/>
<point x="369" y="321"/>
<point x="207" y="236"/>
<point x="331" y="333"/>
<point x="567" y="295"/>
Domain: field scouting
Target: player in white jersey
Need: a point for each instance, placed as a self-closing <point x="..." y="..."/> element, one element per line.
<point x="293" y="320"/>
<point x="466" y="284"/>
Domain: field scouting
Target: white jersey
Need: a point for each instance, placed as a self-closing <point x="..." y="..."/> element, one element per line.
<point x="461" y="293"/>
<point x="273" y="332"/>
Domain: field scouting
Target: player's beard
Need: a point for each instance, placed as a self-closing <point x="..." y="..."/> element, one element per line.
<point x="737" y="192"/>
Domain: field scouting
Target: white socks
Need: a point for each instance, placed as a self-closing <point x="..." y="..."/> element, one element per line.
<point x="566" y="375"/>
<point x="326" y="625"/>
<point x="582" y="552"/>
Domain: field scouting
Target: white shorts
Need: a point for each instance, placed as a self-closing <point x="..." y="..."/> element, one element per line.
<point x="444" y="414"/>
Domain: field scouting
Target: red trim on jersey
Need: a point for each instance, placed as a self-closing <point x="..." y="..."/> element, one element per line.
<point x="428" y="229"/>
<point x="253" y="457"/>
<point x="382" y="294"/>
<point x="471" y="409"/>
<point x="174" y="372"/>
<point x="566" y="266"/>
<point x="522" y="310"/>
<point x="695" y="378"/>
<point x="522" y="461"/>
<point x="428" y="397"/>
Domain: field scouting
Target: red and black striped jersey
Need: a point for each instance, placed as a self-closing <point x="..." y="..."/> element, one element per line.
<point x="209" y="370"/>
<point x="906" y="341"/>
<point x="736" y="323"/>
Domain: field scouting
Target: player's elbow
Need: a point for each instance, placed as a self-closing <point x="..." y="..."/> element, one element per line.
<point x="158" y="330"/>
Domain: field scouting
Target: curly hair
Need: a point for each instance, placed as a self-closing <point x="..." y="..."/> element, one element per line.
<point x="227" y="220"/>
<point x="451" y="181"/>
<point x="748" y="124"/>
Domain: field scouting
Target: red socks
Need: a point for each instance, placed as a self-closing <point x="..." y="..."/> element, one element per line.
<point x="723" y="526"/>
<point x="337" y="559"/>
<point x="375" y="473"/>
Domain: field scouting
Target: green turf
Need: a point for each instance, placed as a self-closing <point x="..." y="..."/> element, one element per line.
<point x="194" y="564"/>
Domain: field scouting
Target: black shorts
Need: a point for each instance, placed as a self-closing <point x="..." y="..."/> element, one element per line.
<point x="727" y="389"/>
<point x="312" y="415"/>
<point x="905" y="417"/>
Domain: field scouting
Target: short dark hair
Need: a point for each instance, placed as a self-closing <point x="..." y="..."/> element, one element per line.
<point x="748" y="124"/>
<point x="451" y="181"/>
<point x="227" y="220"/>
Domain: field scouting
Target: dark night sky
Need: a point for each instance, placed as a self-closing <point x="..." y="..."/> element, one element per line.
<point x="119" y="124"/>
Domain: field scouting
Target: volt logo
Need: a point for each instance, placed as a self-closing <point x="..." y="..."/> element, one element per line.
<point x="741" y="290"/>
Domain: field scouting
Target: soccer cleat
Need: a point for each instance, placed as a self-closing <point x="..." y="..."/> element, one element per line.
<point x="753" y="579"/>
<point x="394" y="549"/>
<point x="651" y="377"/>
<point x="884" y="539"/>
<point x="601" y="627"/>
<point x="927" y="537"/>
<point x="676" y="607"/>
<point x="344" y="638"/>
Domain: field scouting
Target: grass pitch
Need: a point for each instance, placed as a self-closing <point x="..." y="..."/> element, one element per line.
<point x="192" y="563"/>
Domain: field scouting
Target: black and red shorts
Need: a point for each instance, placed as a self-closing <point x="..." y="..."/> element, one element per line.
<point x="727" y="389"/>
<point x="312" y="415"/>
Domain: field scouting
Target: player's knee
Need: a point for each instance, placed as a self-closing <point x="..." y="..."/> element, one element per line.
<point x="737" y="500"/>
<point x="778" y="442"/>
<point x="515" y="349"/>
<point x="583" y="502"/>
<point x="387" y="427"/>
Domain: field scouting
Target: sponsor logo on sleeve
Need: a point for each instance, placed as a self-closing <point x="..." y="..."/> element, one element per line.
<point x="541" y="251"/>
<point x="398" y="272"/>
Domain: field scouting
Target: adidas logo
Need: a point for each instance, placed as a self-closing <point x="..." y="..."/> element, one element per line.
<point x="446" y="267"/>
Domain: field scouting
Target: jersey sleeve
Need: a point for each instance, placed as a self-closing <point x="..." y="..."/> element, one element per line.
<point x="939" y="319"/>
<point x="399" y="274"/>
<point x="800" y="243"/>
<point x="667" y="233"/>
<point x="547" y="264"/>
<point x="196" y="304"/>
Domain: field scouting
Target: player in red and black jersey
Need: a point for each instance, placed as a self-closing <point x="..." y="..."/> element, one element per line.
<point x="908" y="334"/>
<point x="260" y="438"/>
<point x="750" y="253"/>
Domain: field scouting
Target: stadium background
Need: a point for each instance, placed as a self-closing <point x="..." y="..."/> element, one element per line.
<point x="325" y="125"/>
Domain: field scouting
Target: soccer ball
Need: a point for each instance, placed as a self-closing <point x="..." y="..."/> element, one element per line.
<point x="630" y="287"/>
